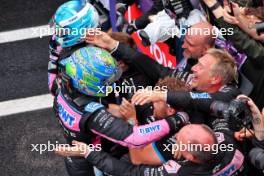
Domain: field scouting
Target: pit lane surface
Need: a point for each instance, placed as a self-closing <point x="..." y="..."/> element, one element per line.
<point x="23" y="73"/>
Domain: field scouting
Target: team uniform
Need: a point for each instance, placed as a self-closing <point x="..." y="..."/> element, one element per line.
<point x="229" y="162"/>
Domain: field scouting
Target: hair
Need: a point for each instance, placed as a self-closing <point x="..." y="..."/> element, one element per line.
<point x="210" y="40"/>
<point x="206" y="30"/>
<point x="202" y="155"/>
<point x="172" y="84"/>
<point x="225" y="65"/>
<point x="124" y="38"/>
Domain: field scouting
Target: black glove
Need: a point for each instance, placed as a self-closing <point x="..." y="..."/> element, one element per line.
<point x="177" y="8"/>
<point x="177" y="121"/>
<point x="144" y="37"/>
<point x="120" y="20"/>
<point x="131" y="28"/>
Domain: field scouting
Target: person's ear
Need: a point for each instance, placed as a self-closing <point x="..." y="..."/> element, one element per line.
<point x="189" y="156"/>
<point x="216" y="79"/>
<point x="206" y="47"/>
<point x="170" y="111"/>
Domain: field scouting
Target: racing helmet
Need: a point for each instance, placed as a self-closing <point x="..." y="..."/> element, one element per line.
<point x="92" y="71"/>
<point x="71" y="20"/>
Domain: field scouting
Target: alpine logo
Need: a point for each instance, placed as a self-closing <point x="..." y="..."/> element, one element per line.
<point x="65" y="116"/>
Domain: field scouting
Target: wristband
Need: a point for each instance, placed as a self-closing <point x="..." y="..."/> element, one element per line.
<point x="115" y="48"/>
<point x="215" y="6"/>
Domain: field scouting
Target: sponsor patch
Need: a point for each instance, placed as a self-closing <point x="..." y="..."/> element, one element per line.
<point x="172" y="167"/>
<point x="93" y="106"/>
<point x="200" y="95"/>
<point x="150" y="129"/>
<point x="65" y="116"/>
<point x="220" y="137"/>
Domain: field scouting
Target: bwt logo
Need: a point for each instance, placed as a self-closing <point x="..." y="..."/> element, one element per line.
<point x="65" y="116"/>
<point x="229" y="171"/>
<point x="149" y="129"/>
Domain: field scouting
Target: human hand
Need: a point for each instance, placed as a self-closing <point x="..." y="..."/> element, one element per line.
<point x="209" y="3"/>
<point x="145" y="96"/>
<point x="229" y="18"/>
<point x="258" y="118"/>
<point x="78" y="149"/>
<point x="128" y="111"/>
<point x="131" y="28"/>
<point x="255" y="112"/>
<point x="114" y="109"/>
<point x="258" y="12"/>
<point x="243" y="134"/>
<point x="102" y="40"/>
<point x="176" y="152"/>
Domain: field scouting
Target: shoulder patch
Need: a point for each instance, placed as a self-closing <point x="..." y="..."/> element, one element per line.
<point x="200" y="95"/>
<point x="93" y="106"/>
<point x="220" y="137"/>
<point x="172" y="167"/>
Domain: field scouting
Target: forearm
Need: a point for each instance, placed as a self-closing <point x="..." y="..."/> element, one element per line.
<point x="246" y="26"/>
<point x="201" y="100"/>
<point x="152" y="69"/>
<point x="54" y="54"/>
<point x="189" y="100"/>
<point x="142" y="156"/>
<point x="218" y="13"/>
<point x="117" y="130"/>
<point x="113" y="166"/>
<point x="241" y="40"/>
<point x="244" y="43"/>
<point x="258" y="125"/>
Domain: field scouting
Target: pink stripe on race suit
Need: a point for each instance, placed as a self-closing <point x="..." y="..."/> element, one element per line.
<point x="70" y="115"/>
<point x="233" y="166"/>
<point x="59" y="49"/>
<point x="52" y="57"/>
<point x="143" y="135"/>
<point x="52" y="77"/>
<point x="96" y="140"/>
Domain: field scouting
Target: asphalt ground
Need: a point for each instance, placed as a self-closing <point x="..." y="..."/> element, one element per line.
<point x="19" y="134"/>
<point x="17" y="14"/>
<point x="23" y="68"/>
<point x="23" y="73"/>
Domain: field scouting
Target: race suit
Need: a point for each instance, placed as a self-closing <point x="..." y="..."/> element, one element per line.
<point x="196" y="104"/>
<point x="225" y="163"/>
<point x="79" y="114"/>
<point x="83" y="118"/>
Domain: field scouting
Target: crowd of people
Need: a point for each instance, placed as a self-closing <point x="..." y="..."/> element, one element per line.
<point x="202" y="117"/>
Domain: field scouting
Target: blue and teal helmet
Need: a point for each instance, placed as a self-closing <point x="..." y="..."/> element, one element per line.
<point x="93" y="71"/>
<point x="71" y="21"/>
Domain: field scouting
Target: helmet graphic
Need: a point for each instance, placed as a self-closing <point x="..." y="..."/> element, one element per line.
<point x="92" y="71"/>
<point x="71" y="21"/>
